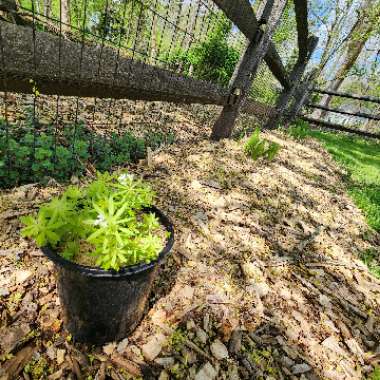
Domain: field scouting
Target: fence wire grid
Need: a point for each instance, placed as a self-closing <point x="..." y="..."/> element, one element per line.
<point x="57" y="136"/>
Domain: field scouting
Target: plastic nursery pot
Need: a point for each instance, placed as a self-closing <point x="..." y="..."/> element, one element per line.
<point x="99" y="305"/>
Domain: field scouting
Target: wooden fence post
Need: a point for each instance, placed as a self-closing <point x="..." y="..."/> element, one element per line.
<point x="244" y="74"/>
<point x="300" y="98"/>
<point x="295" y="80"/>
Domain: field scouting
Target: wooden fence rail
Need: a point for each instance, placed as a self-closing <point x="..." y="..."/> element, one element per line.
<point x="343" y="128"/>
<point x="240" y="12"/>
<point x="263" y="110"/>
<point x="302" y="28"/>
<point x="347" y="95"/>
<point x="340" y="128"/>
<point x="343" y="112"/>
<point x="93" y="71"/>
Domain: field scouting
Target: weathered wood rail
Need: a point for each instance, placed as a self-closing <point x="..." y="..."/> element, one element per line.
<point x="341" y="128"/>
<point x="330" y="125"/>
<point x="241" y="14"/>
<point x="263" y="110"/>
<point x="371" y="99"/>
<point x="343" y="112"/>
<point x="90" y="71"/>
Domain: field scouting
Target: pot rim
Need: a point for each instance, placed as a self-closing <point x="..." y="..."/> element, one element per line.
<point x="123" y="272"/>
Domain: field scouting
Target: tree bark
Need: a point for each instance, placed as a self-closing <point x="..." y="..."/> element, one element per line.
<point x="141" y="40"/>
<point x="65" y="15"/>
<point x="47" y="10"/>
<point x="153" y="41"/>
<point x="193" y="15"/>
<point x="359" y="35"/>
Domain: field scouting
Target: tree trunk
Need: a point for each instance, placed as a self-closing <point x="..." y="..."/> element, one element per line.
<point x="359" y="35"/>
<point x="65" y="15"/>
<point x="193" y="13"/>
<point x="354" y="50"/>
<point x="47" y="10"/>
<point x="36" y="6"/>
<point x="153" y="41"/>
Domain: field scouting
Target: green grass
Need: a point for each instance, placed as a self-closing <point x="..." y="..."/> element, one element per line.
<point x="361" y="159"/>
<point x="375" y="375"/>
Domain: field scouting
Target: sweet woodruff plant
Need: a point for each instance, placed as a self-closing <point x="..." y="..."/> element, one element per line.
<point x="105" y="224"/>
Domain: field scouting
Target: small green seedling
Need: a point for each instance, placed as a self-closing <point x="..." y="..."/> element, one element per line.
<point x="104" y="222"/>
<point x="257" y="147"/>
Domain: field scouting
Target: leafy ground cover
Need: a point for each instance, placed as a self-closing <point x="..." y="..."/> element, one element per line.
<point x="31" y="152"/>
<point x="264" y="280"/>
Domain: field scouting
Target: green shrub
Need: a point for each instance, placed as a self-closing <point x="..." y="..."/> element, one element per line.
<point x="103" y="221"/>
<point x="257" y="147"/>
<point x="212" y="60"/>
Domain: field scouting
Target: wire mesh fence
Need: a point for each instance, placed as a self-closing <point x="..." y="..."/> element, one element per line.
<point x="95" y="47"/>
<point x="265" y="88"/>
<point x="164" y="33"/>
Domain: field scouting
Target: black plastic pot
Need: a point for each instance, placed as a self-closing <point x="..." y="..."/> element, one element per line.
<point x="99" y="305"/>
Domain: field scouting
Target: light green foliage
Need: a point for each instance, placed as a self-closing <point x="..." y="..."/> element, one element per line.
<point x="107" y="216"/>
<point x="265" y="359"/>
<point x="37" y="368"/>
<point x="177" y="339"/>
<point x="213" y="60"/>
<point x="157" y="139"/>
<point x="257" y="147"/>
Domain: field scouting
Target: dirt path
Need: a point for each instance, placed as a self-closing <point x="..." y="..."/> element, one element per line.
<point x="263" y="282"/>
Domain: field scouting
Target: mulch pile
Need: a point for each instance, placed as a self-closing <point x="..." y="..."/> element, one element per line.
<point x="264" y="280"/>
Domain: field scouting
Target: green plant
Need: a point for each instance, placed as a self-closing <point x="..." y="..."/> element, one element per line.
<point x="213" y="59"/>
<point x="299" y="130"/>
<point x="104" y="221"/>
<point x="177" y="339"/>
<point x="257" y="147"/>
<point x="157" y="139"/>
<point x="32" y="153"/>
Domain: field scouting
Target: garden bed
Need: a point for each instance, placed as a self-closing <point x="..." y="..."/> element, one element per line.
<point x="264" y="279"/>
